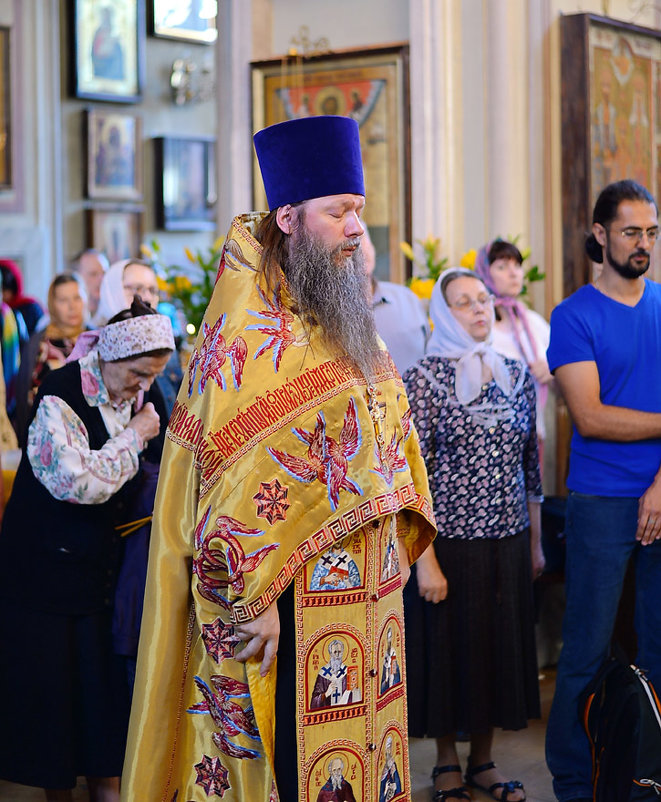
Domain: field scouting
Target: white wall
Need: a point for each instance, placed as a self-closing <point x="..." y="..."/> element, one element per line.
<point x="30" y="228"/>
<point x="345" y="23"/>
<point x="160" y="117"/>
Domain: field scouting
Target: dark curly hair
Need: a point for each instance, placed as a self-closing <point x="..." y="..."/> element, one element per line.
<point x="606" y="208"/>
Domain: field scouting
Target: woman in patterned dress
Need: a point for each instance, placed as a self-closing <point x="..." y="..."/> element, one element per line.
<point x="63" y="693"/>
<point x="469" y="610"/>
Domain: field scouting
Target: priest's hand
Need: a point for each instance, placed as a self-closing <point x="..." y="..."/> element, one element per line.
<point x="261" y="638"/>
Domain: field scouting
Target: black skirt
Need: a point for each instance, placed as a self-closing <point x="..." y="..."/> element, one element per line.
<point x="63" y="698"/>
<point x="471" y="659"/>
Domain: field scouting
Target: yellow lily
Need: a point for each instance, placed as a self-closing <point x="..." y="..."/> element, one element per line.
<point x="468" y="259"/>
<point x="407" y="250"/>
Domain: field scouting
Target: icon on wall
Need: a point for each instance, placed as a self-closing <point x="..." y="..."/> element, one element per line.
<point x="108" y="45"/>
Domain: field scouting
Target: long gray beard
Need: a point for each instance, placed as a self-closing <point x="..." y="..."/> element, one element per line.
<point x="334" y="292"/>
<point x="336" y="783"/>
<point x="335" y="664"/>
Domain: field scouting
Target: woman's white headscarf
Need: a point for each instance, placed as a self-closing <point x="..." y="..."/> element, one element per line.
<point x="111" y="296"/>
<point x="451" y="340"/>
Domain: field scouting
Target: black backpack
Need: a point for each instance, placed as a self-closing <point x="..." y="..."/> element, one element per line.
<point x="621" y="714"/>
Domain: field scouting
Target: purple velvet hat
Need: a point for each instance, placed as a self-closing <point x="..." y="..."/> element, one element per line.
<point x="310" y="157"/>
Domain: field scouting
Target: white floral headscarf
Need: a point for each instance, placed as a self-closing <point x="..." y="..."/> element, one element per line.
<point x="126" y="338"/>
<point x="135" y="336"/>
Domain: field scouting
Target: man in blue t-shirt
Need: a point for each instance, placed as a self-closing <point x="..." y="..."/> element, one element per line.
<point x="605" y="352"/>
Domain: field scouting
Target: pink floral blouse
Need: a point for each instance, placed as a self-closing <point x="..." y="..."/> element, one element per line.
<point x="58" y="445"/>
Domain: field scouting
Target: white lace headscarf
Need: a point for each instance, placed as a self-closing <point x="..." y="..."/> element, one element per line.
<point x="451" y="340"/>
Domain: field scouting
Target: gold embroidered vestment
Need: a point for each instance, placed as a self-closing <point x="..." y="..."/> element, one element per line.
<point x="281" y="465"/>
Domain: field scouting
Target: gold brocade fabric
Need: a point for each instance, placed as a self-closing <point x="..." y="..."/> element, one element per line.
<point x="280" y="466"/>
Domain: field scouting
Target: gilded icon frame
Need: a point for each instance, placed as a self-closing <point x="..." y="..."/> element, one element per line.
<point x="107" y="50"/>
<point x="370" y="85"/>
<point x="611" y="123"/>
<point x="114" y="155"/>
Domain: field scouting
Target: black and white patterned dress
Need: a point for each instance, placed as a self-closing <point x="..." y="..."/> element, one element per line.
<point x="471" y="658"/>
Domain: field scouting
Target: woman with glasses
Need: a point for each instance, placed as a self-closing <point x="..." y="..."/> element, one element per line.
<point x="122" y="281"/>
<point x="469" y="608"/>
<point x="519" y="332"/>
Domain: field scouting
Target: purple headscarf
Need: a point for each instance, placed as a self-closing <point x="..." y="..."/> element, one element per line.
<point x="513" y="307"/>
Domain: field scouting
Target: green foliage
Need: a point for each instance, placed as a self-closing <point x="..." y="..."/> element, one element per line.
<point x="189" y="287"/>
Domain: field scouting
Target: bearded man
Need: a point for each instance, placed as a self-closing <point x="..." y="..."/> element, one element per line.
<point x="605" y="346"/>
<point x="331" y="683"/>
<point x="291" y="434"/>
<point x="336" y="788"/>
<point x="391" y="784"/>
<point x="390" y="674"/>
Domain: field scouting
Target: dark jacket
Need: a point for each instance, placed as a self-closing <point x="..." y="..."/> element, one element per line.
<point x="57" y="555"/>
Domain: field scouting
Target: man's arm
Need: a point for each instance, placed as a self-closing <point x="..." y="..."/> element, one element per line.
<point x="649" y="513"/>
<point x="579" y="385"/>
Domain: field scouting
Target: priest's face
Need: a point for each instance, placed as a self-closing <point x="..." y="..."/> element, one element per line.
<point x="326" y="276"/>
<point x="335" y="222"/>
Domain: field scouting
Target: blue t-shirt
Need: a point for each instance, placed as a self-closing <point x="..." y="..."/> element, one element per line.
<point x="625" y="343"/>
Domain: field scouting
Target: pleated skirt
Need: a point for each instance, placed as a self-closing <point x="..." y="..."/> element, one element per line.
<point x="471" y="659"/>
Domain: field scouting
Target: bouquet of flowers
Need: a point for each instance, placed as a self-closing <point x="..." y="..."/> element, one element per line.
<point x="432" y="264"/>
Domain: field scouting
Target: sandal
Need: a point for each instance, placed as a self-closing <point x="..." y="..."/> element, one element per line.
<point x="453" y="793"/>
<point x="507" y="788"/>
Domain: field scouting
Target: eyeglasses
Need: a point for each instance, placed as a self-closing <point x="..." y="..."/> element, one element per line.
<point x="464" y="304"/>
<point x="634" y="235"/>
<point x="141" y="290"/>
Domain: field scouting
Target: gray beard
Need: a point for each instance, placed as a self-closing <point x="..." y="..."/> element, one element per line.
<point x="335" y="664"/>
<point x="336" y="783"/>
<point x="334" y="293"/>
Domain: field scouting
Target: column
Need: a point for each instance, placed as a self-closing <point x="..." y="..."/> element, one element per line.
<point x="436" y="122"/>
<point x="508" y="70"/>
<point x="234" y="137"/>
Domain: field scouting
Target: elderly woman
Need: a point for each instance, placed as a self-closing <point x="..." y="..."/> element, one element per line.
<point x="49" y="349"/>
<point x="519" y="332"/>
<point x="469" y="608"/>
<point x="63" y="695"/>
